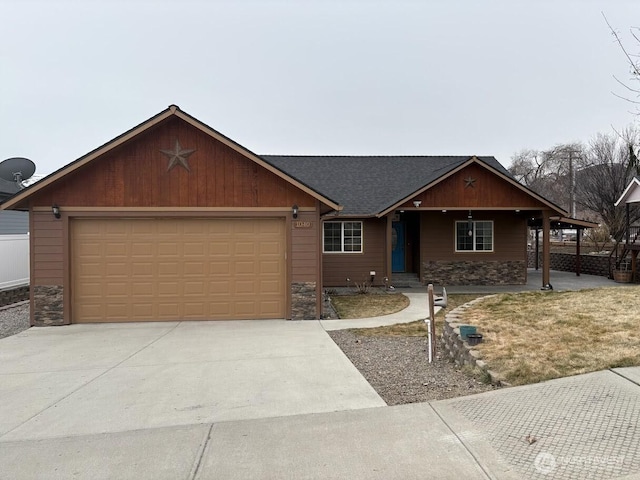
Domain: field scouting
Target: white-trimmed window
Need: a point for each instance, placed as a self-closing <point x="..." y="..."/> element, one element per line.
<point x="342" y="237"/>
<point x="474" y="236"/>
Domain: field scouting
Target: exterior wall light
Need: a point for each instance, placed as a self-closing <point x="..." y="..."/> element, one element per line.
<point x="417" y="203"/>
<point x="294" y="211"/>
<point x="55" y="210"/>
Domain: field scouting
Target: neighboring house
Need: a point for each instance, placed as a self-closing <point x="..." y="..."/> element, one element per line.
<point x="631" y="238"/>
<point x="174" y="221"/>
<point x="14" y="242"/>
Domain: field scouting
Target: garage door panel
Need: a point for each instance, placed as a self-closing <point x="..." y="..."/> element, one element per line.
<point x="167" y="288"/>
<point x="168" y="269"/>
<point x="219" y="248"/>
<point x="142" y="249"/>
<point x="117" y="270"/>
<point x="110" y="289"/>
<point x="196" y="269"/>
<point x="169" y="249"/>
<point x="140" y="269"/>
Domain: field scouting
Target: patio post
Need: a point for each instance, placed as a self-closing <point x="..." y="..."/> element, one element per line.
<point x="546" y="246"/>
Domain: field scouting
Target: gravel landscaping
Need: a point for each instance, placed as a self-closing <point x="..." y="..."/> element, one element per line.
<point x="14" y="319"/>
<point x="398" y="368"/>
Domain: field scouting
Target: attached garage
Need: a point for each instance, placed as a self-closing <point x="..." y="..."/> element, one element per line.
<point x="172" y="221"/>
<point x="144" y="269"/>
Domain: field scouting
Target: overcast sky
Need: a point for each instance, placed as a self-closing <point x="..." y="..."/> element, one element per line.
<point x="456" y="77"/>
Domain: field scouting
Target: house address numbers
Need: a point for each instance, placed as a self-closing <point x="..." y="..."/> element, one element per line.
<point x="302" y="224"/>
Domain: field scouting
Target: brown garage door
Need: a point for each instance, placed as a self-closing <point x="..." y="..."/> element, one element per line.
<point x="134" y="270"/>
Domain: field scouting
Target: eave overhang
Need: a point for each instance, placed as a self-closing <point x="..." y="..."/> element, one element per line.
<point x="18" y="201"/>
<point x="474" y="160"/>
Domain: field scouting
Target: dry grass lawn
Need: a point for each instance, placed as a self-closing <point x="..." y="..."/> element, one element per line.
<point x="535" y="336"/>
<point x="368" y="305"/>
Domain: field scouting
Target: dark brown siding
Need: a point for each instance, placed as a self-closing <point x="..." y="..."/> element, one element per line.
<point x="135" y="175"/>
<point x="356" y="266"/>
<point x="304" y="247"/>
<point x="47" y="255"/>
<point x="437" y="236"/>
<point x="488" y="191"/>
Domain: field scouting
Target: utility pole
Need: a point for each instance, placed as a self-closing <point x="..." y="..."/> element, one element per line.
<point x="572" y="180"/>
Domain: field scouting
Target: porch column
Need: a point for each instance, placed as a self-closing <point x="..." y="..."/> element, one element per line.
<point x="578" y="257"/>
<point x="546" y="246"/>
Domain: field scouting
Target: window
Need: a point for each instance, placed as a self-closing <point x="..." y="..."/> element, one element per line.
<point x="474" y="236"/>
<point x="342" y="237"/>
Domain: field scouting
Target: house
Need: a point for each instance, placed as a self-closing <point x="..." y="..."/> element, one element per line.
<point x="173" y="220"/>
<point x="629" y="197"/>
<point x="14" y="242"/>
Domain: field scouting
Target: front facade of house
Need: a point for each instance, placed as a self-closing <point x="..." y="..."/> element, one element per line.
<point x="174" y="221"/>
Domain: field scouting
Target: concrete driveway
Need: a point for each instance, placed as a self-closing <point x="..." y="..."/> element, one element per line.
<point x="93" y="379"/>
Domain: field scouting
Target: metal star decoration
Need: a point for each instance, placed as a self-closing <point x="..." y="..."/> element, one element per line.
<point x="177" y="156"/>
<point x="469" y="182"/>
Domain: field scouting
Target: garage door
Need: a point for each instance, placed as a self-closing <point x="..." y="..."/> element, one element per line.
<point x="133" y="270"/>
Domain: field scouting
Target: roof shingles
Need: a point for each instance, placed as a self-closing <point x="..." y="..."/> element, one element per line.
<point x="367" y="185"/>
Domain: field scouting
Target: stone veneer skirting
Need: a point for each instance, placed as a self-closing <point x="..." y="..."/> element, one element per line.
<point x="303" y="301"/>
<point x="440" y="272"/>
<point x="48" y="305"/>
<point x="14" y="295"/>
<point x="458" y="350"/>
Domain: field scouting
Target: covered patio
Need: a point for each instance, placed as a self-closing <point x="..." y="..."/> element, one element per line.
<point x="561" y="281"/>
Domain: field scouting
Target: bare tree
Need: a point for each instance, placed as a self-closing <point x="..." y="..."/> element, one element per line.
<point x="549" y="172"/>
<point x="632" y="85"/>
<point x="603" y="173"/>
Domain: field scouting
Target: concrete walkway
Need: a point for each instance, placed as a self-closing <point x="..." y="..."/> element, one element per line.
<point x="279" y="400"/>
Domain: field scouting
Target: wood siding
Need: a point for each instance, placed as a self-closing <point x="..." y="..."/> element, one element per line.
<point x="135" y="175"/>
<point x="437" y="236"/>
<point x="356" y="266"/>
<point x="488" y="191"/>
<point x="47" y="255"/>
<point x="304" y="247"/>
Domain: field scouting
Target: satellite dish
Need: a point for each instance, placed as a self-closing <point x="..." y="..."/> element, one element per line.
<point x="17" y="169"/>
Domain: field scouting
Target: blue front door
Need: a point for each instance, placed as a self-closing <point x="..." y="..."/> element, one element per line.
<point x="397" y="247"/>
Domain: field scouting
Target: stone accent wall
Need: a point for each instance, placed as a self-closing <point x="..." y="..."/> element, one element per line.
<point x="508" y="272"/>
<point x="458" y="350"/>
<point x="14" y="295"/>
<point x="303" y="301"/>
<point x="48" y="305"/>
<point x="566" y="262"/>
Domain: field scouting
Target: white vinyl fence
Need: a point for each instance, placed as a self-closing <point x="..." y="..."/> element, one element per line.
<point x="14" y="260"/>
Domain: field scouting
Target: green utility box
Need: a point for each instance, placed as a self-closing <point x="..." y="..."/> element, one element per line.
<point x="466" y="330"/>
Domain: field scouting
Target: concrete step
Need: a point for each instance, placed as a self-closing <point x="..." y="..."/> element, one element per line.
<point x="406" y="280"/>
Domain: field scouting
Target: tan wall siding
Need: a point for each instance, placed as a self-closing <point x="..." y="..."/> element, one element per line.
<point x="304" y="247"/>
<point x="356" y="266"/>
<point x="47" y="255"/>
<point x="437" y="235"/>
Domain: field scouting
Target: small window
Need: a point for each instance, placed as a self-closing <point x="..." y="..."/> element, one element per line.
<point x="342" y="237"/>
<point x="474" y="236"/>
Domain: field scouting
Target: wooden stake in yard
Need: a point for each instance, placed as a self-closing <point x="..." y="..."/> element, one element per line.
<point x="432" y="323"/>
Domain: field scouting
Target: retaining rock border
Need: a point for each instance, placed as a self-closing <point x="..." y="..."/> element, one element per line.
<point x="459" y="350"/>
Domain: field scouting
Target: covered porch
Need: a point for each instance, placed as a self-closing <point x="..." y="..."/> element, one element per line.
<point x="422" y="244"/>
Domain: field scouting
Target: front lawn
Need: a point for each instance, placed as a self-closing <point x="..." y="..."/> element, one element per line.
<point x="535" y="336"/>
<point x="368" y="305"/>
